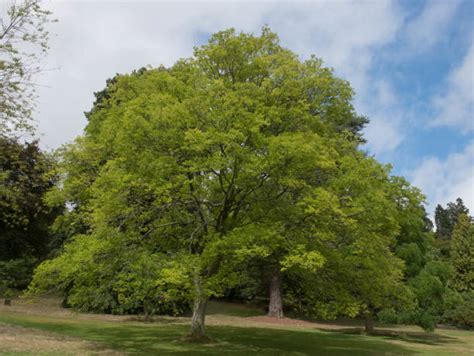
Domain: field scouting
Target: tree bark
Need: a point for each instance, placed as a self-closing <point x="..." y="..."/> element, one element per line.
<point x="275" y="307"/>
<point x="199" y="312"/>
<point x="369" y="324"/>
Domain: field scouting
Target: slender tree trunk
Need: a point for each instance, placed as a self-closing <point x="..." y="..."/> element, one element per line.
<point x="199" y="311"/>
<point x="145" y="311"/>
<point x="369" y="324"/>
<point x="275" y="307"/>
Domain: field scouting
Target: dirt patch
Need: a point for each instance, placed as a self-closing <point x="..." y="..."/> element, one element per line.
<point x="19" y="339"/>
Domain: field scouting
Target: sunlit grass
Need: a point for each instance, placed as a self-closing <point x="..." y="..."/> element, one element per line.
<point x="164" y="336"/>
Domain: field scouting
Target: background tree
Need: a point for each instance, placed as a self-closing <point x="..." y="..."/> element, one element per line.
<point x="461" y="260"/>
<point x="23" y="43"/>
<point x="445" y="220"/>
<point x="25" y="177"/>
<point x="462" y="254"/>
<point x="414" y="242"/>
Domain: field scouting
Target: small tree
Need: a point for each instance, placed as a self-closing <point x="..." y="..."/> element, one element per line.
<point x="23" y="43"/>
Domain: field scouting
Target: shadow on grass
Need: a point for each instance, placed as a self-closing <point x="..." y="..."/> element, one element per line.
<point x="165" y="339"/>
<point x="419" y="337"/>
<point x="356" y="327"/>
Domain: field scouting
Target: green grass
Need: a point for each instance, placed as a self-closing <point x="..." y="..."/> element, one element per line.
<point x="163" y="337"/>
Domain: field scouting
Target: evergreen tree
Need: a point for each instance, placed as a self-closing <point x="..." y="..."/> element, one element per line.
<point x="462" y="254"/>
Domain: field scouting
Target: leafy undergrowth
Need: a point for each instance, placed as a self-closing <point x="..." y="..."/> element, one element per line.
<point x="233" y="330"/>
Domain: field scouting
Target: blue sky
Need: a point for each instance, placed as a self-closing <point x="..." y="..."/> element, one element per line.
<point x="410" y="63"/>
<point x="418" y="76"/>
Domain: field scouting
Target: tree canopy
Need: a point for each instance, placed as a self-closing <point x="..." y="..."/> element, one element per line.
<point x="242" y="155"/>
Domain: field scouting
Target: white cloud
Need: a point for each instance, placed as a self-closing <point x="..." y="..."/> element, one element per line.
<point x="445" y="180"/>
<point x="456" y="107"/>
<point x="345" y="34"/>
<point x="430" y="26"/>
<point x="97" y="39"/>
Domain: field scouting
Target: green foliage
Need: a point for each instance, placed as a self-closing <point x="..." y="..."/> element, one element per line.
<point x="25" y="177"/>
<point x="446" y="219"/>
<point x="414" y="241"/>
<point x="462" y="314"/>
<point x="433" y="296"/>
<point x="462" y="254"/>
<point x="155" y="283"/>
<point x="355" y="221"/>
<point x="105" y="274"/>
<point x="17" y="273"/>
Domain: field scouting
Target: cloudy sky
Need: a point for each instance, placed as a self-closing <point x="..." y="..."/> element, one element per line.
<point x="410" y="62"/>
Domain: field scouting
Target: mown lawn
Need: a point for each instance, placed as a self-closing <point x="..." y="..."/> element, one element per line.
<point x="163" y="337"/>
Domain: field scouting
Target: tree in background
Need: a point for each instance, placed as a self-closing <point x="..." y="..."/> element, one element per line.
<point x="445" y="220"/>
<point x="462" y="254"/>
<point x="25" y="177"/>
<point x="430" y="276"/>
<point x="24" y="169"/>
<point x="23" y="43"/>
<point x="461" y="260"/>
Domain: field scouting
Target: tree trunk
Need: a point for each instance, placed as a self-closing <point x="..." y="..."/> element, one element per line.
<point x="199" y="312"/>
<point x="146" y="312"/>
<point x="369" y="324"/>
<point x="275" y="307"/>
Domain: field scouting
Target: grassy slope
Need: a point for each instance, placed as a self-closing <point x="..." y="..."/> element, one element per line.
<point x="163" y="337"/>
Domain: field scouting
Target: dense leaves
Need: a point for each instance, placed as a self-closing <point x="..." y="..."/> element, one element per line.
<point x="25" y="177"/>
<point x="462" y="254"/>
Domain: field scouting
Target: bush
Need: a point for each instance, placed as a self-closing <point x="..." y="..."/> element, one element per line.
<point x="462" y="315"/>
<point x="100" y="275"/>
<point x="17" y="273"/>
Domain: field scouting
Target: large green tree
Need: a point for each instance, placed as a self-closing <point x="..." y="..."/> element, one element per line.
<point x="240" y="152"/>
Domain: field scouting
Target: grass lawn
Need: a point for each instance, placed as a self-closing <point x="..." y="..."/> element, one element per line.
<point x="233" y="333"/>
